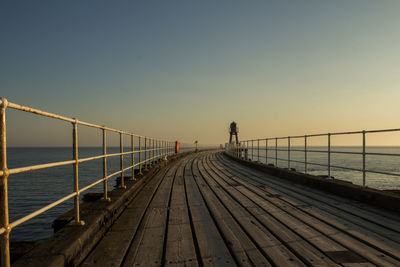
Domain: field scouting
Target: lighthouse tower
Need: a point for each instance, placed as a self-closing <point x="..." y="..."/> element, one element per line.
<point x="233" y="130"/>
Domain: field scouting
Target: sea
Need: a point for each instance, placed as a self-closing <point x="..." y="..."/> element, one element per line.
<point x="33" y="190"/>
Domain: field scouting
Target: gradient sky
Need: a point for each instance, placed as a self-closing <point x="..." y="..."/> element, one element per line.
<point x="185" y="69"/>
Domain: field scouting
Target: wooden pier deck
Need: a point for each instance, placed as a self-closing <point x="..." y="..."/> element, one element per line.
<point x="207" y="210"/>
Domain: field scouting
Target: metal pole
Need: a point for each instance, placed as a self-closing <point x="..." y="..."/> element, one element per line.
<point x="154" y="151"/>
<point x="252" y="150"/>
<point x="329" y="155"/>
<point x="105" y="189"/>
<point x="140" y="156"/>
<point x="145" y="153"/>
<point x="305" y="154"/>
<point x="150" y="158"/>
<point x="266" y="151"/>
<point x="258" y="150"/>
<point x="363" y="155"/>
<point x="150" y="147"/>
<point x="276" y="152"/>
<point x="121" y="159"/>
<point x="5" y="237"/>
<point x="157" y="151"/>
<point x="76" y="179"/>
<point x="163" y="150"/>
<point x="247" y="158"/>
<point x="133" y="157"/>
<point x="288" y="152"/>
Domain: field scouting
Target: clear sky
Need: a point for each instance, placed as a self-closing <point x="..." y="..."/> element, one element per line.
<point x="185" y="69"/>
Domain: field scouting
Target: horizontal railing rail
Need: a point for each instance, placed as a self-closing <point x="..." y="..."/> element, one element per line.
<point x="242" y="150"/>
<point x="149" y="151"/>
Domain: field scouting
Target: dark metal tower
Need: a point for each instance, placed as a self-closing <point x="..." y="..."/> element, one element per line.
<point x="233" y="130"/>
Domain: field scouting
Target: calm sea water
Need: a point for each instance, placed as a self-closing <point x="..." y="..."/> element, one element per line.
<point x="31" y="191"/>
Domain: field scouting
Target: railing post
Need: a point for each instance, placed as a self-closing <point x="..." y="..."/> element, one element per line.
<point x="133" y="157"/>
<point x="363" y="155"/>
<point x="252" y="150"/>
<point x="105" y="188"/>
<point x="329" y="155"/>
<point x="288" y="140"/>
<point x="247" y="155"/>
<point x="4" y="237"/>
<point x="154" y="151"/>
<point x="258" y="150"/>
<point x="157" y="151"/>
<point x="76" y="176"/>
<point x="163" y="149"/>
<point x="150" y="150"/>
<point x="145" y="153"/>
<point x="266" y="151"/>
<point x="305" y="154"/>
<point x="121" y="159"/>
<point x="276" y="152"/>
<point x="140" y="156"/>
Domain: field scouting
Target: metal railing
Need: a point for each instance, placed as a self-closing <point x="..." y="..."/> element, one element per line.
<point x="271" y="144"/>
<point x="151" y="148"/>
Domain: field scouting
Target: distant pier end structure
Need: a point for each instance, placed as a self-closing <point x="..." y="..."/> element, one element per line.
<point x="233" y="130"/>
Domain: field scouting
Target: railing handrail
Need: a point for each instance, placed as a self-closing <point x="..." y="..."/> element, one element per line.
<point x="244" y="146"/>
<point x="326" y="134"/>
<point x="154" y="149"/>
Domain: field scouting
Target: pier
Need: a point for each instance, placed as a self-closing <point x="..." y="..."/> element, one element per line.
<point x="206" y="209"/>
<point x="209" y="208"/>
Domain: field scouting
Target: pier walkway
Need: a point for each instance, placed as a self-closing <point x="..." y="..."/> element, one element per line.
<point x="208" y="210"/>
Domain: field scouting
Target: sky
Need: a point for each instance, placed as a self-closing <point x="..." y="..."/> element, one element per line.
<point x="183" y="70"/>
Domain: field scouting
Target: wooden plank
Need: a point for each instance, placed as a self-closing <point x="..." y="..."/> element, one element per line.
<point x="148" y="245"/>
<point x="239" y="205"/>
<point x="241" y="246"/>
<point x="212" y="248"/>
<point x="180" y="249"/>
<point x="112" y="248"/>
<point x="345" y="206"/>
<point x="363" y="230"/>
<point x="305" y="196"/>
<point x="354" y="244"/>
<point x="284" y="215"/>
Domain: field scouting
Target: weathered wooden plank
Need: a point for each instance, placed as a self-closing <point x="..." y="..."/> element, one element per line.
<point x="112" y="248"/>
<point x="285" y="215"/>
<point x="354" y="244"/>
<point x="148" y="245"/>
<point x="338" y="219"/>
<point x="241" y="246"/>
<point x="212" y="248"/>
<point x="275" y="243"/>
<point x="389" y="221"/>
<point x="180" y="249"/>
